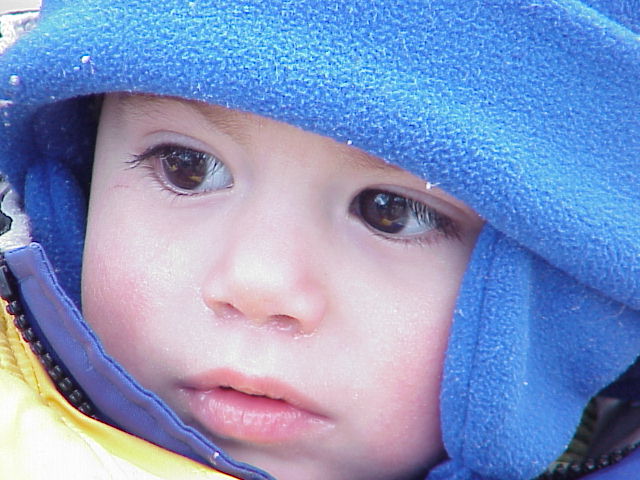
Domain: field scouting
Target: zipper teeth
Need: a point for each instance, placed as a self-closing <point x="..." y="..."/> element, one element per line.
<point x="64" y="382"/>
<point x="576" y="470"/>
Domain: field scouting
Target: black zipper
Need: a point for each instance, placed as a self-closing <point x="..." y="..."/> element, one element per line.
<point x="63" y="380"/>
<point x="574" y="470"/>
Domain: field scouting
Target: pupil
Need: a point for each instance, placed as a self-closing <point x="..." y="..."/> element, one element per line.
<point x="384" y="211"/>
<point x="185" y="171"/>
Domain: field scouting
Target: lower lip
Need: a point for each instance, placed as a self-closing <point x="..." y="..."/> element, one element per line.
<point x="256" y="419"/>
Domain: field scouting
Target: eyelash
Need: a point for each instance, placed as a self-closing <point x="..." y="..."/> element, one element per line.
<point x="445" y="227"/>
<point x="424" y="241"/>
<point x="450" y="232"/>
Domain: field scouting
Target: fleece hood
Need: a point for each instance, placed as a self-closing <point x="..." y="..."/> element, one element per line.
<point x="526" y="111"/>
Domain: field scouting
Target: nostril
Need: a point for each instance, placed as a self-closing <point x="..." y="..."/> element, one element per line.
<point x="226" y="311"/>
<point x="283" y="323"/>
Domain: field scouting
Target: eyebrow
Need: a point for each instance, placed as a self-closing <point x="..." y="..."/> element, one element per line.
<point x="232" y="123"/>
<point x="363" y="159"/>
<point x="139" y="105"/>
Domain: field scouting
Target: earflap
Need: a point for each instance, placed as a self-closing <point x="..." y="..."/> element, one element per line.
<point x="65" y="132"/>
<point x="57" y="206"/>
<point x="525" y="356"/>
<point x="55" y="186"/>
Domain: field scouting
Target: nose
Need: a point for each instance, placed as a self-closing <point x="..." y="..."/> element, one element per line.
<point x="265" y="273"/>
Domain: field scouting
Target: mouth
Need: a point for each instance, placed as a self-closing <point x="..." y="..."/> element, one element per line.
<point x="251" y="409"/>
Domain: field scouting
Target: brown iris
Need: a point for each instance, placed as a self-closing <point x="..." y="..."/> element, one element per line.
<point x="384" y="211"/>
<point x="185" y="169"/>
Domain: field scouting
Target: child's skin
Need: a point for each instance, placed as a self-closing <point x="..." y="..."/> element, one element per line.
<point x="274" y="275"/>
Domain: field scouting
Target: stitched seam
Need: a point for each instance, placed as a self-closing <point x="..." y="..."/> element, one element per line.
<point x="479" y="331"/>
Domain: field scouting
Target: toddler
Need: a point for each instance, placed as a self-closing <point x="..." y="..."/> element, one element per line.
<point x="322" y="240"/>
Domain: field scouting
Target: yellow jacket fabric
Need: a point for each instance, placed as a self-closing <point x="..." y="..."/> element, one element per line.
<point x="43" y="437"/>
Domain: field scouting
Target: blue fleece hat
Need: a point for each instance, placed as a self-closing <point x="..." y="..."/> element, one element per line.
<point x="527" y="111"/>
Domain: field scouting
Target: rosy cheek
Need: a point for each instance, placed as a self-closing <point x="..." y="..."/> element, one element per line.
<point x="407" y="427"/>
<point x="410" y="383"/>
<point x="114" y="298"/>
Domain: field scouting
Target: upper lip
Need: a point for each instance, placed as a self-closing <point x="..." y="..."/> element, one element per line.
<point x="252" y="385"/>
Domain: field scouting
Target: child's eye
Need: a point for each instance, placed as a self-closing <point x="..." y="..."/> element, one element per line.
<point x="396" y="216"/>
<point x="187" y="171"/>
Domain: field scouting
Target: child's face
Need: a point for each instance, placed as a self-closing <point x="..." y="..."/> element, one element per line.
<point x="287" y="295"/>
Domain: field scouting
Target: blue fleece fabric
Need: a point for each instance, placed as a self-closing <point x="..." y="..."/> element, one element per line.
<point x="527" y="111"/>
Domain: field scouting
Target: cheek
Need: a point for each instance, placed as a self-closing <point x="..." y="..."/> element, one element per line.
<point x="407" y="311"/>
<point x="121" y="269"/>
<point x="406" y="403"/>
<point x="113" y="289"/>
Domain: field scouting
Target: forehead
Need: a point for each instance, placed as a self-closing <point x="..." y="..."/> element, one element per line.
<point x="233" y="123"/>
